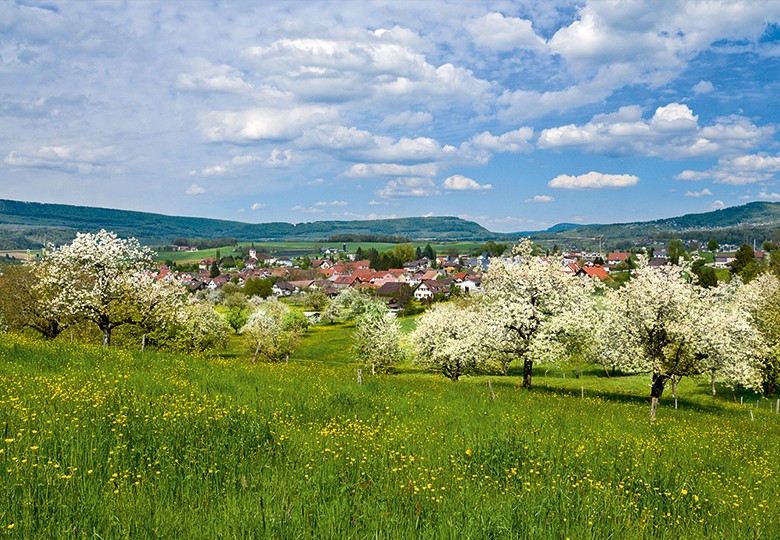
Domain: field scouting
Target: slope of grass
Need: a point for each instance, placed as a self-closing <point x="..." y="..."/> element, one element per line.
<point x="113" y="444"/>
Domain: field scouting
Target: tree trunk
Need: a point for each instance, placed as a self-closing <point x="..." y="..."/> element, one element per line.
<point x="771" y="387"/>
<point x="712" y="381"/>
<point x="656" y="390"/>
<point x="528" y="366"/>
<point x="106" y="338"/>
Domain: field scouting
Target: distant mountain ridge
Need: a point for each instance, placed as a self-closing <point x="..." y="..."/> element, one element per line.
<point x="733" y="225"/>
<point x="29" y="225"/>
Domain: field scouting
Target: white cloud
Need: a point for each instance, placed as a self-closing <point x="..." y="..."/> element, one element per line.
<point x="500" y="33"/>
<point x="703" y="193"/>
<point x="195" y="189"/>
<point x="511" y="141"/>
<point x="593" y="180"/>
<point x="257" y="206"/>
<point x="738" y="171"/>
<point x="205" y="76"/>
<point x="409" y="187"/>
<point x="371" y="170"/>
<point x="316" y="182"/>
<point x="703" y="87"/>
<point x="674" y="117"/>
<point x="279" y="158"/>
<point x="331" y="203"/>
<point x="672" y="132"/>
<point x="70" y="158"/>
<point x="305" y="209"/>
<point x="718" y="205"/>
<point x="264" y="123"/>
<point x="459" y="182"/>
<point x="769" y="196"/>
<point x="541" y="199"/>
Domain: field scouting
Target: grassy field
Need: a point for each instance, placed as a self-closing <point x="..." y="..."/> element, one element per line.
<point x="114" y="444"/>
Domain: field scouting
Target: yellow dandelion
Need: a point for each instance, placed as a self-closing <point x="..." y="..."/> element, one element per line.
<point x="469" y="452"/>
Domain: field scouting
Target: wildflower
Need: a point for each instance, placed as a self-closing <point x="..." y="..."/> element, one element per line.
<point x="469" y="452"/>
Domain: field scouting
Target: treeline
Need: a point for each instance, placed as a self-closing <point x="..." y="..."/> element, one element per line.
<point x="389" y="239"/>
<point x="205" y="243"/>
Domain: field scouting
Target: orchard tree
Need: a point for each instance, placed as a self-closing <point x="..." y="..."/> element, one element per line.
<point x="675" y="250"/>
<point x="761" y="300"/>
<point x="444" y="341"/>
<point x="271" y="332"/>
<point x="197" y="327"/>
<point x="105" y="280"/>
<point x="520" y="297"/>
<point x="24" y="305"/>
<point x="377" y="338"/>
<point x="664" y="324"/>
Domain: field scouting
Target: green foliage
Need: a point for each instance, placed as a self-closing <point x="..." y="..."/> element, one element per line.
<point x="259" y="287"/>
<point x="237" y="317"/>
<point x="675" y="250"/>
<point x="744" y="264"/>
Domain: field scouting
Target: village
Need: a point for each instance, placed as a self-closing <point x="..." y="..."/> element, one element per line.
<point x="424" y="279"/>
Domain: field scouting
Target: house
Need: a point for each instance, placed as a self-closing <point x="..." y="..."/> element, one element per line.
<point x="395" y="293"/>
<point x="470" y="284"/>
<point x="347" y="281"/>
<point x="282" y="288"/>
<point x="430" y="288"/>
<point x="617" y="257"/>
<point x="595" y="271"/>
<point x="206" y="263"/>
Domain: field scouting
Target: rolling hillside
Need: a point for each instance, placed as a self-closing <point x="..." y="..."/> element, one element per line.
<point x="29" y="225"/>
<point x="26" y="225"/>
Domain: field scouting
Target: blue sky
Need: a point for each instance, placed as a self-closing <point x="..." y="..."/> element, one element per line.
<point x="517" y="115"/>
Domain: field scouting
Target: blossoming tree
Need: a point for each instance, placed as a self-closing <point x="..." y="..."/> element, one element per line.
<point x="666" y="325"/>
<point x="104" y="279"/>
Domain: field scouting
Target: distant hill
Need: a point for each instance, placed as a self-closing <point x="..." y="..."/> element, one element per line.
<point x="734" y="225"/>
<point x="29" y="225"/>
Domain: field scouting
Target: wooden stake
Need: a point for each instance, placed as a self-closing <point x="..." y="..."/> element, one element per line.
<point x="582" y="390"/>
<point x="360" y="376"/>
<point x="751" y="414"/>
<point x="373" y="369"/>
<point x="777" y="407"/>
<point x="492" y="394"/>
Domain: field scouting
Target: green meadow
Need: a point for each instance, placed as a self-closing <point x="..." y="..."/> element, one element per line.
<point x="123" y="444"/>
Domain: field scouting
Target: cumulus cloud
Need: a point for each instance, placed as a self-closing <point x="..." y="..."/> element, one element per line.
<point x="593" y="180"/>
<point x="718" y="205"/>
<point x="541" y="199"/>
<point x="672" y="132"/>
<point x="459" y="182"/>
<point x="511" y="141"/>
<point x="703" y="87"/>
<point x="769" y="196"/>
<point x="356" y="64"/>
<point x="497" y="32"/>
<point x="703" y="193"/>
<point x="264" y="123"/>
<point x="409" y="187"/>
<point x="257" y="206"/>
<point x="738" y="171"/>
<point x="70" y="158"/>
<point x="372" y="170"/>
<point x="205" y="76"/>
<point x="195" y="189"/>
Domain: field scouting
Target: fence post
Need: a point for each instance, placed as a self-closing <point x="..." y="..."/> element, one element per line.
<point x="360" y="376"/>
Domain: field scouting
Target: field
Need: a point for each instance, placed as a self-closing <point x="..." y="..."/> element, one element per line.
<point x="312" y="249"/>
<point x="119" y="444"/>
